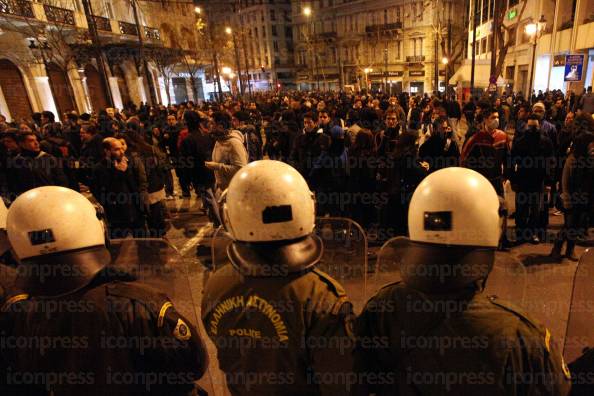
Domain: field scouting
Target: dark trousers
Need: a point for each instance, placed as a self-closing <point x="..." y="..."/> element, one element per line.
<point x="184" y="180"/>
<point x="156" y="220"/>
<point x="529" y="207"/>
<point x="135" y="228"/>
<point x="168" y="182"/>
<point x="572" y="228"/>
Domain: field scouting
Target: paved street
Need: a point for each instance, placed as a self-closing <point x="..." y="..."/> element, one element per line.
<point x="547" y="285"/>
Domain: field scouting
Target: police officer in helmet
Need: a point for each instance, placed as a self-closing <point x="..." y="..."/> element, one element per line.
<point x="74" y="325"/>
<point x="281" y="326"/>
<point x="443" y="336"/>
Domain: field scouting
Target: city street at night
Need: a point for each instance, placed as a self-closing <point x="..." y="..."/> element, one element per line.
<point x="296" y="197"/>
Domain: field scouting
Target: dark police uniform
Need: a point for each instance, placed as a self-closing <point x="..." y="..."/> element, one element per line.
<point x="462" y="343"/>
<point x="113" y="337"/>
<point x="280" y="334"/>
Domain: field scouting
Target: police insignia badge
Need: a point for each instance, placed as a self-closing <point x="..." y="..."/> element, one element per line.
<point x="182" y="331"/>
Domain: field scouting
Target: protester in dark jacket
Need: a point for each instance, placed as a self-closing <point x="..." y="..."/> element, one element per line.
<point x="119" y="184"/>
<point x="33" y="167"/>
<point x="362" y="179"/>
<point x="402" y="176"/>
<point x="440" y="150"/>
<point x="154" y="162"/>
<point x="91" y="151"/>
<point x="531" y="169"/>
<point x="195" y="150"/>
<point x="577" y="195"/>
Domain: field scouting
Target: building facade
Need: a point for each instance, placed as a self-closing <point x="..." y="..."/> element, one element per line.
<point x="85" y="55"/>
<point x="568" y="29"/>
<point x="392" y="45"/>
<point x="260" y="45"/>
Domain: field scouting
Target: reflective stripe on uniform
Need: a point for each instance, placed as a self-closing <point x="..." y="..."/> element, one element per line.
<point x="14" y="299"/>
<point x="548" y="340"/>
<point x="162" y="313"/>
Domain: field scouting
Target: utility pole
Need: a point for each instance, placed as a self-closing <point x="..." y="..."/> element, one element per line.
<point x="386" y="68"/>
<point x="98" y="53"/>
<point x="494" y="41"/>
<point x="147" y="76"/>
<point x="245" y="54"/>
<point x="447" y="69"/>
<point x="474" y="17"/>
<point x="436" y="56"/>
<point x="247" y="67"/>
<point x="215" y="59"/>
<point x="237" y="64"/>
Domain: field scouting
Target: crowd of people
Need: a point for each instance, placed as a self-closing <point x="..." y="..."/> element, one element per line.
<point x="363" y="154"/>
<point x="279" y="324"/>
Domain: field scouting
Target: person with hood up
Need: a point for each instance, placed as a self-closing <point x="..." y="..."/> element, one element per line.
<point x="229" y="153"/>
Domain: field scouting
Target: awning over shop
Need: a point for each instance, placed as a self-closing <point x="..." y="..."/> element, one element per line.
<point x="481" y="74"/>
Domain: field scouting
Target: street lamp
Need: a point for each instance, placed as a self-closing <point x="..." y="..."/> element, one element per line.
<point x="445" y="61"/>
<point x="367" y="70"/>
<point x="198" y="10"/>
<point x="229" y="32"/>
<point x="226" y="70"/>
<point x="307" y="12"/>
<point x="534" y="30"/>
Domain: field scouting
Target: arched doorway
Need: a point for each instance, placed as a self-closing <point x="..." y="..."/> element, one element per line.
<point x="122" y="85"/>
<point x="14" y="91"/>
<point x="97" y="92"/>
<point x="60" y="88"/>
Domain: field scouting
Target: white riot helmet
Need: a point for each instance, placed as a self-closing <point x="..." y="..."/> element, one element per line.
<point x="455" y="206"/>
<point x="454" y="225"/>
<point x="269" y="212"/>
<point x="56" y="228"/>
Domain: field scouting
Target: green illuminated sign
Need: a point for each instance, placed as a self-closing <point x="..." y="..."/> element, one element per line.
<point x="512" y="14"/>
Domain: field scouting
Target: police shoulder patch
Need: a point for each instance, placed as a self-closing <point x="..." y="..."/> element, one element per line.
<point x="331" y="282"/>
<point x="182" y="331"/>
<point x="509" y="307"/>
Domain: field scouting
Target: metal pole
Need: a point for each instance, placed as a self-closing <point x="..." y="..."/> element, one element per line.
<point x="386" y="68"/>
<point x="149" y="80"/>
<point x="436" y="56"/>
<point x="98" y="53"/>
<point x="494" y="41"/>
<point x="238" y="66"/>
<point x="215" y="62"/>
<point x="449" y="55"/>
<point x="473" y="12"/>
<point x="532" y="72"/>
<point x="247" y="68"/>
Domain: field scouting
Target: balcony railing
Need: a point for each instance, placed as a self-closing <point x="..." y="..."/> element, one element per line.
<point x="415" y="59"/>
<point x="59" y="15"/>
<point x="21" y="8"/>
<point x="128" y="28"/>
<point x="383" y="28"/>
<point x="152" y="33"/>
<point x="327" y="35"/>
<point x="102" y="23"/>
